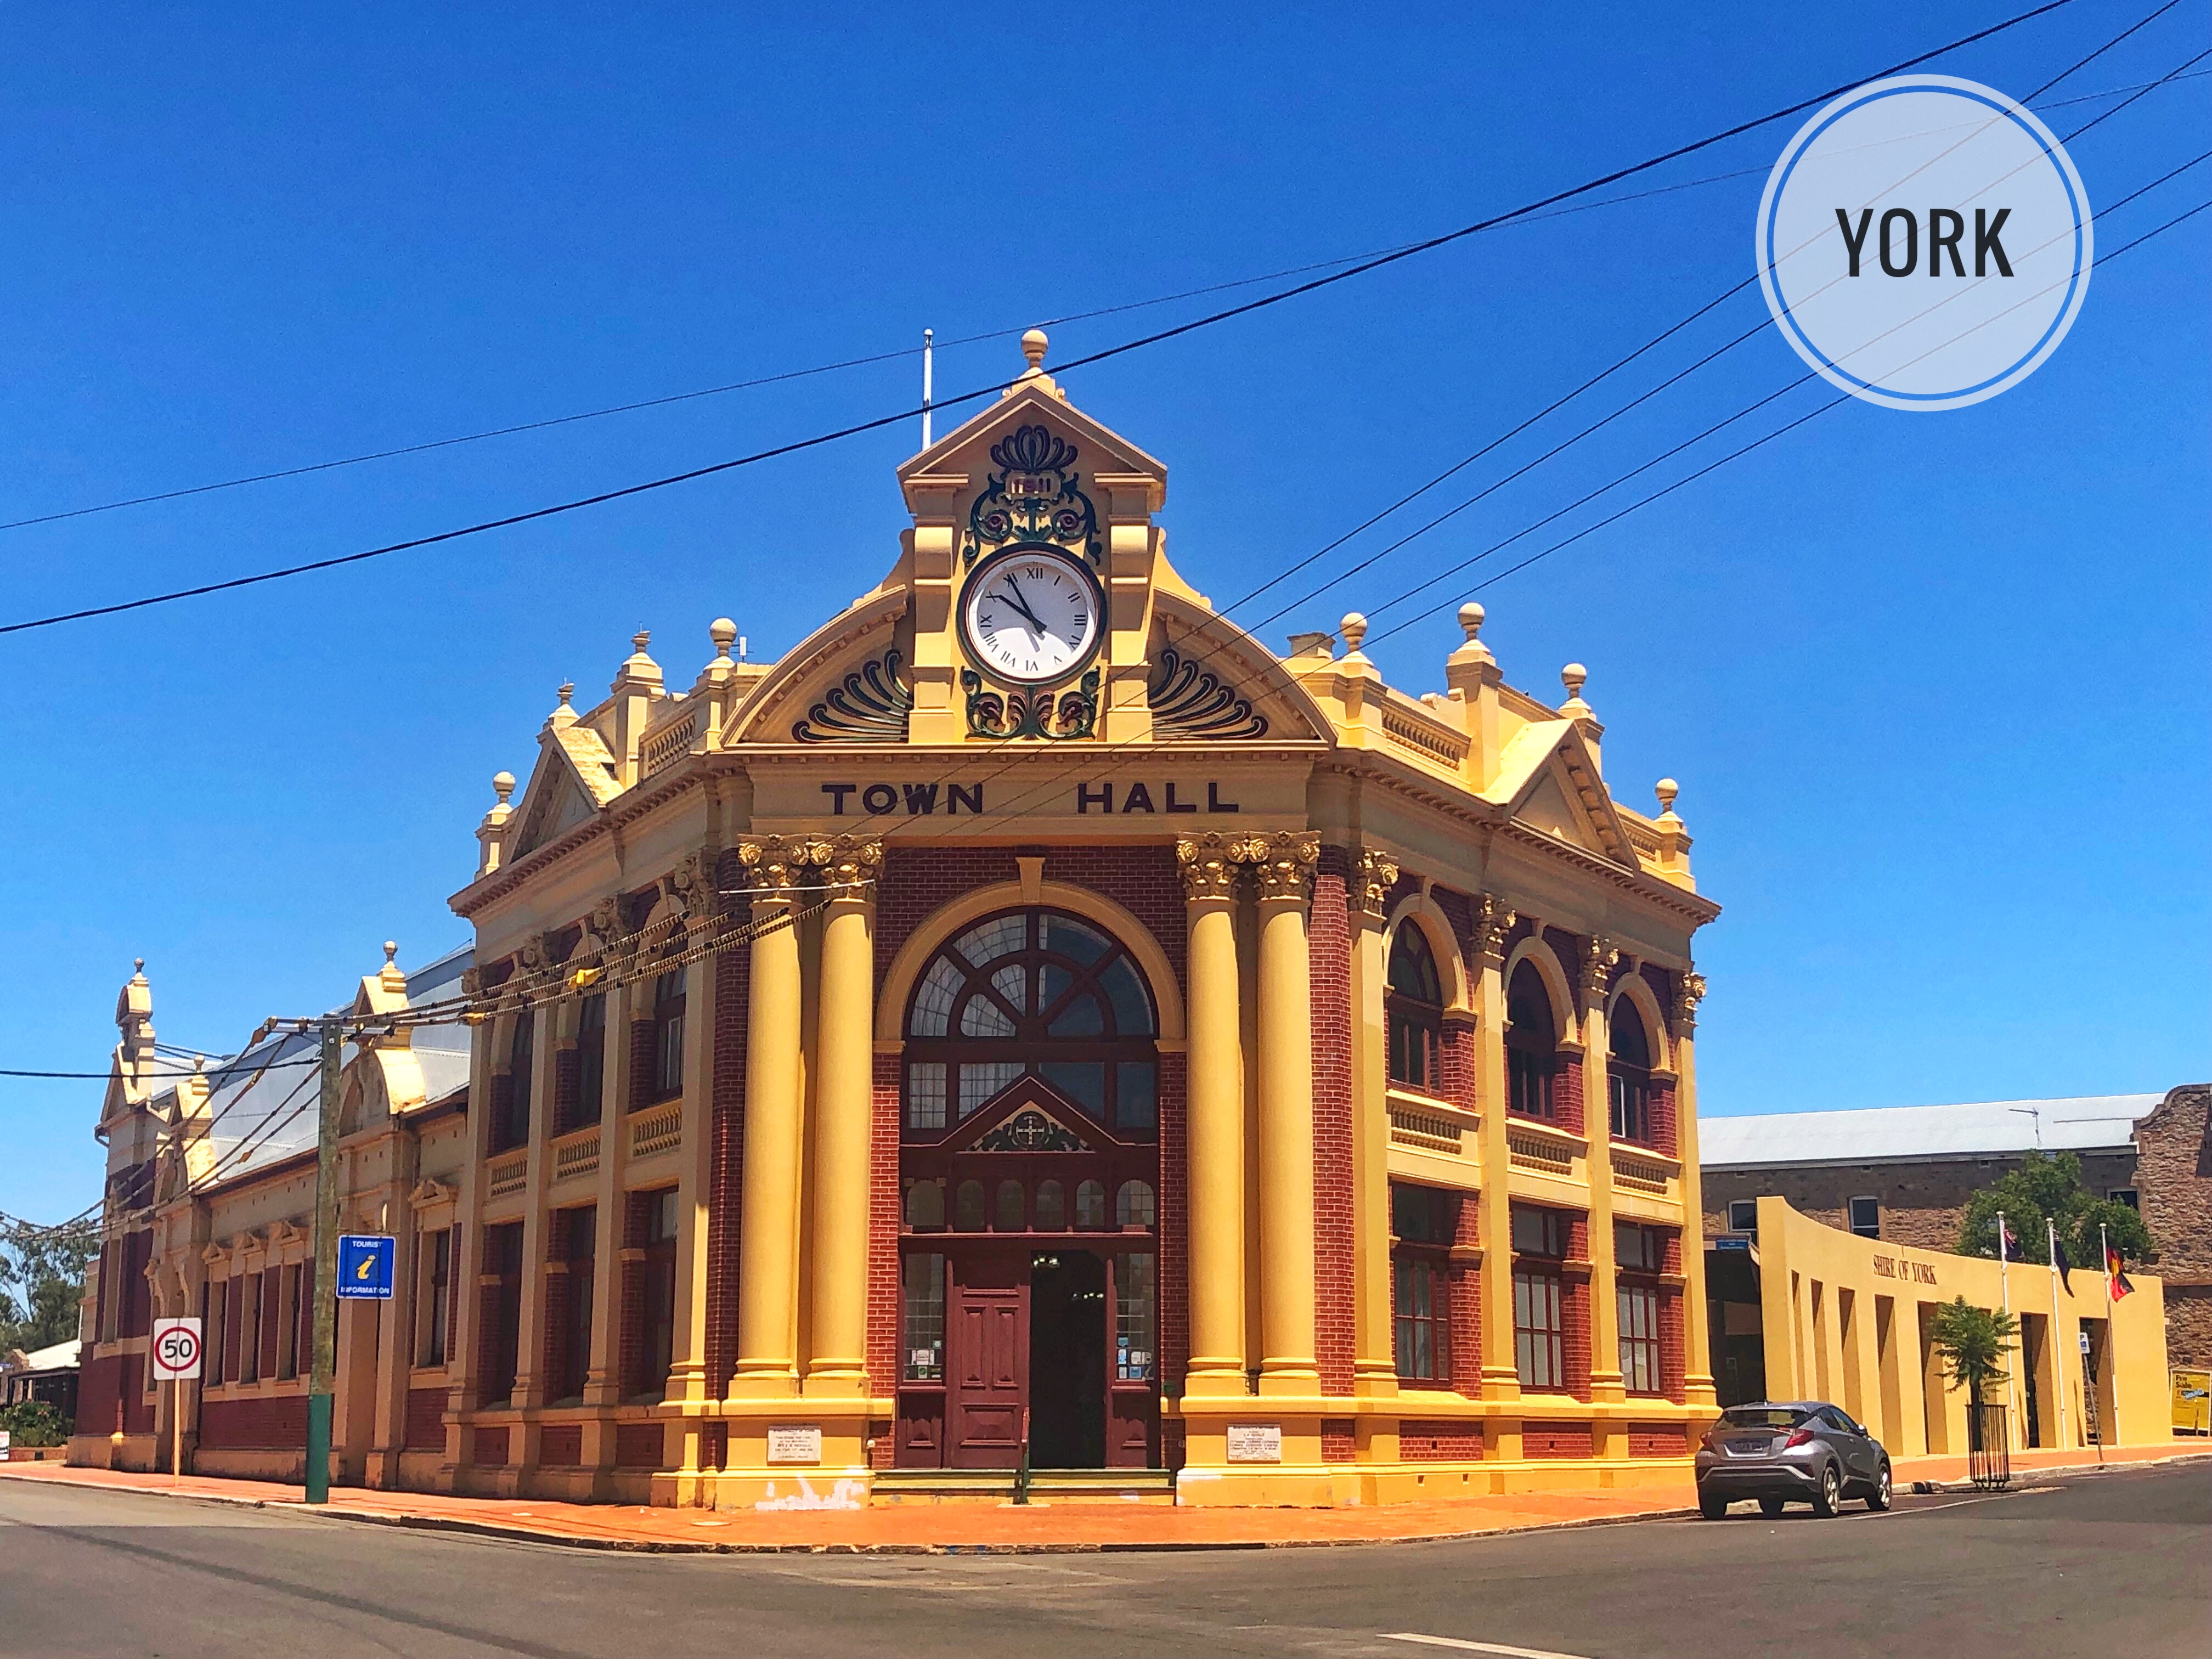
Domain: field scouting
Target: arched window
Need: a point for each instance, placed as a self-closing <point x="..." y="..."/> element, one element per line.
<point x="968" y="1207"/>
<point x="1414" y="1009"/>
<point x="925" y="1205"/>
<point x="1013" y="1207"/>
<point x="1051" y="1207"/>
<point x="1133" y="1206"/>
<point x="1090" y="1205"/>
<point x="1628" y="1073"/>
<point x="1031" y="991"/>
<point x="1532" y="1044"/>
<point x="511" y="1127"/>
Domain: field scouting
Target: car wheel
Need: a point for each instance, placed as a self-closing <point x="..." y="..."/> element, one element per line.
<point x="1829" y="1493"/>
<point x="1770" y="1506"/>
<point x="1878" y="1499"/>
<point x="1713" y="1505"/>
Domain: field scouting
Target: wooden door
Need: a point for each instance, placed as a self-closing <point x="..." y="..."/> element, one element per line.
<point x="987" y="1362"/>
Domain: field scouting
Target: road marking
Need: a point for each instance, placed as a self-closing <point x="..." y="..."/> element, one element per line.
<point x="1476" y="1647"/>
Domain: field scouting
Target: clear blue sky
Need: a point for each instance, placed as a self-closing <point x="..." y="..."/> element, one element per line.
<point x="1933" y="685"/>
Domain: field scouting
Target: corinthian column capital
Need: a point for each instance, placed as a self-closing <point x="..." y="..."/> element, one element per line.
<point x="1283" y="863"/>
<point x="1689" y="992"/>
<point x="773" y="865"/>
<point x="1598" y="960"/>
<point x="1492" y="922"/>
<point x="1208" y="864"/>
<point x="851" y="862"/>
<point x="1373" y="875"/>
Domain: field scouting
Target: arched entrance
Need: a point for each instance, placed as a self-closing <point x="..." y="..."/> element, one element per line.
<point x="1029" y="1163"/>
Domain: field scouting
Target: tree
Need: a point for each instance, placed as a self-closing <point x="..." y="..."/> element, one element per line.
<point x="1973" y="1343"/>
<point x="41" y="1282"/>
<point x="2044" y="1189"/>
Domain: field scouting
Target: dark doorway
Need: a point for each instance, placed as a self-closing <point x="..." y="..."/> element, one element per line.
<point x="1067" y="1361"/>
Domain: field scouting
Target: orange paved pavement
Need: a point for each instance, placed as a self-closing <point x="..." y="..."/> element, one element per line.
<point x="995" y="1527"/>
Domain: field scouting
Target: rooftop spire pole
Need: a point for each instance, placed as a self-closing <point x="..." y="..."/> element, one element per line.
<point x="928" y="353"/>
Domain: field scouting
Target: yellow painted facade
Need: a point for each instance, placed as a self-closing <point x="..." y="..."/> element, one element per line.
<point x="1374" y="1178"/>
<point x="1848" y="1319"/>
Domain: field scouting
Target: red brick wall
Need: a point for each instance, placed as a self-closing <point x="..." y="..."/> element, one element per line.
<point x="1330" y="953"/>
<point x="272" y="1316"/>
<point x="270" y="1422"/>
<point x="644" y="1058"/>
<point x="1175" y="1237"/>
<point x="629" y="1340"/>
<point x="1422" y="1441"/>
<point x="1575" y="1314"/>
<point x="98" y="1404"/>
<point x="1555" y="1440"/>
<point x="884" y="1367"/>
<point x="1658" y="1440"/>
<point x="488" y="1448"/>
<point x="1467" y="1302"/>
<point x="732" y="1005"/>
<point x="638" y="1445"/>
<point x="2174" y="1184"/>
<point x="426" y="1419"/>
<point x="560" y="1445"/>
<point x="1339" y="1440"/>
<point x="233" y="1329"/>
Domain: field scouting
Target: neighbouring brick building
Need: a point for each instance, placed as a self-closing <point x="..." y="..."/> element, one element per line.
<point x="1904" y="1174"/>
<point x="1032" y="1023"/>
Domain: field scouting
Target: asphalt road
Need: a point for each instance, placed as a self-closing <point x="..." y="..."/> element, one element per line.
<point x="2102" y="1566"/>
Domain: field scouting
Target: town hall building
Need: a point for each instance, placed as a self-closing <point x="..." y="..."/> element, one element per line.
<point x="1032" y="1033"/>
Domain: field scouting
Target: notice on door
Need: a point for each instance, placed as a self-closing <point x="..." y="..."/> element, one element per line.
<point x="794" y="1442"/>
<point x="1255" y="1443"/>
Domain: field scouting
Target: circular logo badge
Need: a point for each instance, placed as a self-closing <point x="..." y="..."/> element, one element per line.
<point x="1924" y="242"/>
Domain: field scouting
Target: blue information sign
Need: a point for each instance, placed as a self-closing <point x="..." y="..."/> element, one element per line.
<point x="1725" y="1242"/>
<point x="365" y="1265"/>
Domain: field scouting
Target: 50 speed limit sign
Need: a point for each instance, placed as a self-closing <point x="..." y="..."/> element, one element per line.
<point x="177" y="1349"/>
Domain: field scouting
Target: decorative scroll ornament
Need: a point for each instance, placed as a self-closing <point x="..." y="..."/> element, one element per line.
<point x="604" y="930"/>
<point x="1036" y="495"/>
<point x="1283" y="863"/>
<point x="1030" y="1131"/>
<point x="1689" y="992"/>
<point x="1373" y="875"/>
<point x="1598" y="960"/>
<point x="869" y="705"/>
<point x="1058" y="716"/>
<point x="1492" y="922"/>
<point x="1190" y="702"/>
<point x="1208" y="864"/>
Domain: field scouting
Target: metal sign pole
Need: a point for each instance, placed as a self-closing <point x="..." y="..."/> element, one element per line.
<point x="323" y="1362"/>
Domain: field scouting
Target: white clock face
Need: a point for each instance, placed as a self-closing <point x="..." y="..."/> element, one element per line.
<point x="1031" y="615"/>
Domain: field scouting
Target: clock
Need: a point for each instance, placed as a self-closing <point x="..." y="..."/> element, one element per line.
<point x="1032" y="615"/>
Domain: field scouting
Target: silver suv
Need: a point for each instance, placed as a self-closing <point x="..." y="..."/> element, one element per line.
<point x="1803" y="1451"/>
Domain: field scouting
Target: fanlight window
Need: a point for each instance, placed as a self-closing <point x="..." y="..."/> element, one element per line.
<point x="1031" y="991"/>
<point x="1532" y="1044"/>
<point x="1629" y="1074"/>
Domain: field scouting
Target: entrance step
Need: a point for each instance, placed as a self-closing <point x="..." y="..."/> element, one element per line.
<point x="1046" y="1487"/>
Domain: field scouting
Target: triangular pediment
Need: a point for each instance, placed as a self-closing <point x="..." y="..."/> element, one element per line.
<point x="562" y="792"/>
<point x="1029" y="1115"/>
<point x="1549" y="780"/>
<point x="1033" y="401"/>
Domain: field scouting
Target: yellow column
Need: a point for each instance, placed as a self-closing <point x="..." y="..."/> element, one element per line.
<point x="1284" y="864"/>
<point x="1216" y="1171"/>
<point x="768" y="1241"/>
<point x="1501" y="1376"/>
<point x="1697" y="1340"/>
<point x="1597" y="964"/>
<point x="843" y="1121"/>
<point x="1373" y="1363"/>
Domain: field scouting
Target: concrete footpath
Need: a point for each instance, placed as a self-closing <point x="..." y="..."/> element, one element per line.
<point x="1006" y="1528"/>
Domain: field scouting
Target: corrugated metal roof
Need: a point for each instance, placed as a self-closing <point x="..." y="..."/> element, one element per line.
<point x="1978" y="1129"/>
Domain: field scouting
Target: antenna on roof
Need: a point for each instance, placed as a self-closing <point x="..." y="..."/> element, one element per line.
<point x="2036" y="1114"/>
<point x="928" y="355"/>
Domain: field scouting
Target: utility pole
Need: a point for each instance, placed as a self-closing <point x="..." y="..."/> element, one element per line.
<point x="322" y="1370"/>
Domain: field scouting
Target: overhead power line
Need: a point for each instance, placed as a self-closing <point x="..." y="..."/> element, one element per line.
<point x="1247" y="307"/>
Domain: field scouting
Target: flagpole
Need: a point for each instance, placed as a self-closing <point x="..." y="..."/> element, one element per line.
<point x="2057" y="1365"/>
<point x="2104" y="1261"/>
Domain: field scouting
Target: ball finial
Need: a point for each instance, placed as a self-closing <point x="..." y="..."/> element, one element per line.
<point x="1470" y="620"/>
<point x="502" y="783"/>
<point x="1666" y="789"/>
<point x="1573" y="677"/>
<point x="138" y="964"/>
<point x="567" y="689"/>
<point x="1033" y="345"/>
<point x="390" y="952"/>
<point x="724" y="633"/>
<point x="1352" y="629"/>
<point x="640" y="640"/>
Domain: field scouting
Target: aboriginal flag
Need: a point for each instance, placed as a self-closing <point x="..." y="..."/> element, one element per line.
<point x="2058" y="1260"/>
<point x="2115" y="1274"/>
